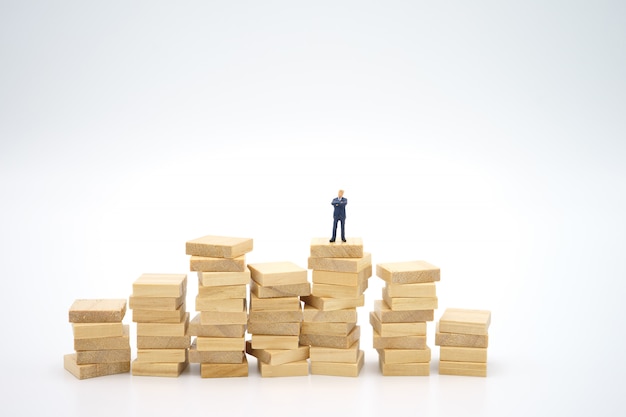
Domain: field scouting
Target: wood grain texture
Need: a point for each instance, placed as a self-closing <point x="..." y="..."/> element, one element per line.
<point x="224" y="370"/>
<point x="97" y="330"/>
<point x="351" y="248"/>
<point x="397" y="329"/>
<point x="223" y="317"/>
<point x="463" y="368"/>
<point x="462" y="354"/>
<point x="332" y="304"/>
<point x="84" y="357"/>
<point x="421" y="289"/>
<point x="97" y="311"/>
<point x="326" y="354"/>
<point x="220" y="344"/>
<point x="220" y="278"/>
<point x="226" y="305"/>
<point x="278" y="356"/>
<point x="299" y="368"/>
<point x="219" y="246"/>
<point x="387" y="315"/>
<point x="407" y="272"/>
<point x="208" y="264"/>
<point x="156" y="303"/>
<point x="93" y="370"/>
<point x="223" y="292"/>
<point x="196" y="328"/>
<point x="393" y="356"/>
<point x="164" y="329"/>
<point x="289" y="290"/>
<point x="340" y="264"/>
<point x="339" y="291"/>
<point x="311" y="313"/>
<point x="163" y="342"/>
<point x="326" y="328"/>
<point x="409" y="303"/>
<point x="339" y="342"/>
<point x="341" y="278"/>
<point x="465" y="321"/>
<point x="159" y="316"/>
<point x="262" y="341"/>
<point x="339" y="368"/>
<point x="160" y="285"/>
<point x="104" y="343"/>
<point x="161" y="355"/>
<point x="404" y="369"/>
<point x="160" y="369"/>
<point x="196" y="356"/>
<point x="277" y="273"/>
<point x="274" y="304"/>
<point x="461" y="340"/>
<point x="276" y="328"/>
<point x="401" y="342"/>
<point x="273" y="316"/>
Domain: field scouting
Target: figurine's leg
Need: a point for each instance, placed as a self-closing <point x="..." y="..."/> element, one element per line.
<point x="343" y="230"/>
<point x="332" y="239"/>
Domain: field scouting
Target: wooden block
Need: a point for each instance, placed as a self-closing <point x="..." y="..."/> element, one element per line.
<point x="278" y="356"/>
<point x="339" y="291"/>
<point x="228" y="305"/>
<point x="331" y="329"/>
<point x="223" y="292"/>
<point x="274" y="304"/>
<point x="289" y="290"/>
<point x="219" y="246"/>
<point x="339" y="342"/>
<point x="400" y="342"/>
<point x="342" y="278"/>
<point x="161" y="355"/>
<point x="462" y="368"/>
<point x="351" y="248"/>
<point x="104" y="343"/>
<point x="160" y="285"/>
<point x="262" y="341"/>
<point x="404" y="369"/>
<point x="196" y="328"/>
<point x="97" y="311"/>
<point x="220" y="344"/>
<point x="208" y="264"/>
<point x="462" y="354"/>
<point x="461" y="340"/>
<point x="275" y="316"/>
<point x="159" y="316"/>
<point x="311" y="313"/>
<point x="164" y="329"/>
<point x="163" y="342"/>
<point x="93" y="370"/>
<point x="299" y="368"/>
<point x="162" y="369"/>
<point x="326" y="354"/>
<point x="278" y="273"/>
<point x="156" y="303"/>
<point x="96" y="330"/>
<point x="457" y="320"/>
<point x="397" y="329"/>
<point x="341" y="264"/>
<point x="331" y="304"/>
<point x="197" y="356"/>
<point x="420" y="289"/>
<point x="387" y="315"/>
<point x="407" y="272"/>
<point x="85" y="357"/>
<point x="224" y="370"/>
<point x="223" y="317"/>
<point x="277" y="328"/>
<point x="338" y="368"/>
<point x="393" y="356"/>
<point x="409" y="303"/>
<point x="219" y="278"/>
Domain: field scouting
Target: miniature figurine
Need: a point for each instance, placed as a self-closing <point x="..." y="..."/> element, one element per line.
<point x="339" y="215"/>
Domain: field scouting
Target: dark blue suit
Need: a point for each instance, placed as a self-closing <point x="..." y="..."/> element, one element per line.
<point x="340" y="216"/>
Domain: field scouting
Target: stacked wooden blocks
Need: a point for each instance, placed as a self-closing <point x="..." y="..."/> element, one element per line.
<point x="275" y="318"/>
<point x="220" y="325"/>
<point x="399" y="319"/>
<point x="340" y="277"/>
<point x="158" y="304"/>
<point x="101" y="340"/>
<point x="462" y="338"/>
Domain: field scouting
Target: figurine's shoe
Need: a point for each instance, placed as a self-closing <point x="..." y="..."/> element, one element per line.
<point x="343" y="240"/>
<point x="332" y="240"/>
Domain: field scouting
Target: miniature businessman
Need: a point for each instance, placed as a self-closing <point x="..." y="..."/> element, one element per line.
<point x="339" y="215"/>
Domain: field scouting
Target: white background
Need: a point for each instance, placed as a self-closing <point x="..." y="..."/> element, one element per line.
<point x="487" y="138"/>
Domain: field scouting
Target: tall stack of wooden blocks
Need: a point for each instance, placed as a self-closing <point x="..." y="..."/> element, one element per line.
<point x="220" y="325"/>
<point x="400" y="319"/>
<point x="340" y="277"/>
<point x="275" y="318"/>
<point x="159" y="308"/>
<point x="101" y="340"/>
<point x="462" y="337"/>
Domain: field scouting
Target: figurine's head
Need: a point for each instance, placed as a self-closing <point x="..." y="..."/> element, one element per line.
<point x="340" y="194"/>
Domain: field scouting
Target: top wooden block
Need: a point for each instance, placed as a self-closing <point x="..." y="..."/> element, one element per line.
<point x="278" y="273"/>
<point x="463" y="321"/>
<point x="322" y="248"/>
<point x="160" y="285"/>
<point x="98" y="311"/>
<point x="407" y="272"/>
<point x="219" y="246"/>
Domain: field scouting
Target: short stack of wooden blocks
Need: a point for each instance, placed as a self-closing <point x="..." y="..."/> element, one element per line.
<point x="275" y="318"/>
<point x="101" y="340"/>
<point x="159" y="309"/>
<point x="340" y="278"/>
<point x="220" y="325"/>
<point x="462" y="337"/>
<point x="400" y="319"/>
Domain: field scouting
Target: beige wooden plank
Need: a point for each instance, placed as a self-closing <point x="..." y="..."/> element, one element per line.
<point x="96" y="330"/>
<point x="156" y="303"/>
<point x="104" y="343"/>
<point x="278" y="356"/>
<point x="276" y="328"/>
<point x="161" y="355"/>
<point x="161" y="369"/>
<point x="466" y="321"/>
<point x="227" y="305"/>
<point x="164" y="329"/>
<point x="409" y="303"/>
<point x="221" y="278"/>
<point x="85" y="357"/>
<point x="159" y="316"/>
<point x="340" y="264"/>
<point x="262" y="341"/>
<point x="223" y="292"/>
<point x="223" y="344"/>
<point x="351" y="248"/>
<point x="331" y="304"/>
<point x="274" y="304"/>
<point x="299" y="368"/>
<point x="197" y="356"/>
<point x="160" y="285"/>
<point x="339" y="291"/>
<point x="219" y="246"/>
<point x="223" y="317"/>
<point x="462" y="354"/>
<point x="401" y="342"/>
<point x="277" y="273"/>
<point x="387" y="315"/>
<point x="326" y="354"/>
<point x="462" y="368"/>
<point x="341" y="278"/>
<point x="224" y="370"/>
<point x="93" y="370"/>
<point x="393" y="356"/>
<point x="331" y="329"/>
<point x="420" y="289"/>
<point x="404" y="369"/>
<point x="348" y="315"/>
<point x="339" y="368"/>
<point x="289" y="290"/>
<point x="407" y="272"/>
<point x="397" y="329"/>
<point x="208" y="264"/>
<point x="274" y="316"/>
<point x="339" y="342"/>
<point x="97" y="311"/>
<point x="461" y="340"/>
<point x="163" y="342"/>
<point x="196" y="328"/>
